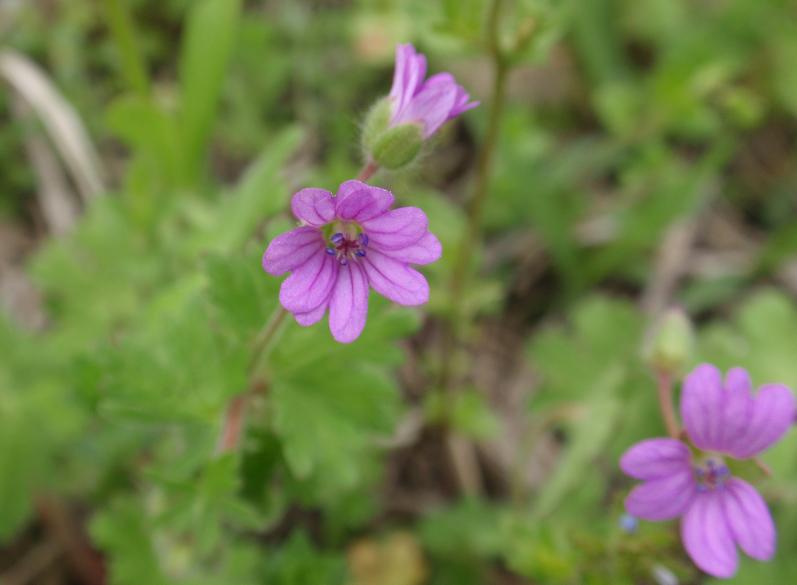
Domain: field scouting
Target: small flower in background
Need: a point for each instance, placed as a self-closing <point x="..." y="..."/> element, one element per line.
<point x="347" y="243"/>
<point x="430" y="103"/>
<point x="416" y="108"/>
<point x="718" y="511"/>
<point x="628" y="524"/>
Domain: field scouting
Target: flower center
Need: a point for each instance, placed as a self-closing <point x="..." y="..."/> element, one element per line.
<point x="347" y="242"/>
<point x="711" y="474"/>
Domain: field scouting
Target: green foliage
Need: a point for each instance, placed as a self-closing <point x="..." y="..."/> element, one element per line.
<point x="211" y="30"/>
<point x="622" y="119"/>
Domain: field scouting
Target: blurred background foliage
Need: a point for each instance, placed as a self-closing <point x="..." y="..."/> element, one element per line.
<point x="646" y="159"/>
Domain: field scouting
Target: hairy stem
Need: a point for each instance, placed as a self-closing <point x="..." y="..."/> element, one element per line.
<point x="265" y="339"/>
<point x="664" y="382"/>
<point x="235" y="415"/>
<point x="368" y="171"/>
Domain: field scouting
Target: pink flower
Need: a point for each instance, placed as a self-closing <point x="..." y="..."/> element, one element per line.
<point x="345" y="244"/>
<point x="718" y="511"/>
<point x="430" y="103"/>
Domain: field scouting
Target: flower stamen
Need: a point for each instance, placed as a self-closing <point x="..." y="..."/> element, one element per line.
<point x="347" y="245"/>
<point x="712" y="475"/>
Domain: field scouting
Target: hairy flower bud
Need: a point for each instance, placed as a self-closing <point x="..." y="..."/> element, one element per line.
<point x="672" y="343"/>
<point x="397" y="147"/>
<point x="390" y="146"/>
<point x="397" y="125"/>
<point x="377" y="120"/>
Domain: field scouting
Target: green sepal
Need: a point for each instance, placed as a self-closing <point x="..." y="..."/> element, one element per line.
<point x="376" y="123"/>
<point x="398" y="147"/>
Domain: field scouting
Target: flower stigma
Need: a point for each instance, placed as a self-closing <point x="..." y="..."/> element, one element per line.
<point x="346" y="241"/>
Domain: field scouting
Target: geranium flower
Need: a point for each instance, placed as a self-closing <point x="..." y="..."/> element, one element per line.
<point x="718" y="511"/>
<point x="344" y="245"/>
<point x="430" y="102"/>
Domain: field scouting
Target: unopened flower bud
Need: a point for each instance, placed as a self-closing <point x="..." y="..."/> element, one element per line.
<point x="397" y="147"/>
<point x="672" y="343"/>
<point x="397" y="125"/>
<point x="376" y="122"/>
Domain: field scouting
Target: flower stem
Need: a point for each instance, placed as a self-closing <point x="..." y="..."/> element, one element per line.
<point x="462" y="452"/>
<point x="475" y="208"/>
<point x="235" y="416"/>
<point x="664" y="382"/>
<point x="265" y="339"/>
<point x="368" y="171"/>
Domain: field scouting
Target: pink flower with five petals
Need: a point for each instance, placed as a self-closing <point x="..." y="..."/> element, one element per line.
<point x="346" y="244"/>
<point x="723" y="419"/>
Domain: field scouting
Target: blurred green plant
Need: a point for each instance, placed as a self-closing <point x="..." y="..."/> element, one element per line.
<point x="211" y="113"/>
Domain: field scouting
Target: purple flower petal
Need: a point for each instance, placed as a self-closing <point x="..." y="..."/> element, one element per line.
<point x="655" y="459"/>
<point x="737" y="408"/>
<point x="348" y="306"/>
<point x="773" y="413"/>
<point x="399" y="73"/>
<point x="430" y="107"/>
<point x="360" y="202"/>
<point x="664" y="498"/>
<point x="446" y="81"/>
<point x="701" y="403"/>
<point x="310" y="284"/>
<point x="425" y="251"/>
<point x="429" y="103"/>
<point x="315" y="207"/>
<point x="707" y="536"/>
<point x="396" y="229"/>
<point x="407" y="77"/>
<point x="749" y="519"/>
<point x="461" y="104"/>
<point x="312" y="317"/>
<point x="729" y="419"/>
<point x="738" y="380"/>
<point x="395" y="280"/>
<point x="291" y="249"/>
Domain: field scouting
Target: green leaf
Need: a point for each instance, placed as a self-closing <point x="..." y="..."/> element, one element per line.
<point x="123" y="533"/>
<point x="242" y="296"/>
<point x="261" y="193"/>
<point x="152" y="133"/>
<point x="327" y="419"/>
<point x="605" y="335"/>
<point x="205" y="55"/>
<point x="331" y="400"/>
<point x="40" y="420"/>
<point x="171" y="356"/>
<point x="298" y="562"/>
<point x="587" y="439"/>
<point x="761" y="337"/>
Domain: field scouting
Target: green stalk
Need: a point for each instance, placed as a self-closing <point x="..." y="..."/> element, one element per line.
<point x="123" y="31"/>
<point x="471" y="235"/>
<point x="234" y="417"/>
